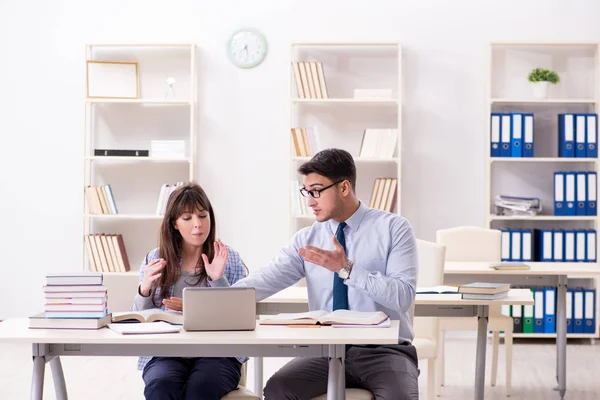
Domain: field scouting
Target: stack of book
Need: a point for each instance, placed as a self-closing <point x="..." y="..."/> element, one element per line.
<point x="484" y="291"/>
<point x="73" y="301"/>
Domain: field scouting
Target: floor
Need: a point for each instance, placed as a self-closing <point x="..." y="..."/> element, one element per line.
<point x="95" y="378"/>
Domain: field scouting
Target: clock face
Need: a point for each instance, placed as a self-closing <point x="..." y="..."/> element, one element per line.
<point x="247" y="48"/>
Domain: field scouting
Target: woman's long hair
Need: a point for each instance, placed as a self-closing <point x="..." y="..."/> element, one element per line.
<point x="189" y="198"/>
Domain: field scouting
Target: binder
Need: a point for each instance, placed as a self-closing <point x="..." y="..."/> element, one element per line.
<point x="592" y="136"/>
<point x="591" y="246"/>
<point x="527" y="135"/>
<point x="495" y="127"/>
<point x="559" y="193"/>
<point x="546" y="250"/>
<point x="557" y="241"/>
<point x="566" y="126"/>
<point x="550" y="310"/>
<point x="516" y="135"/>
<point x="515" y="245"/>
<point x="580" y="246"/>
<point x="569" y="246"/>
<point x="581" y="197"/>
<point x="592" y="193"/>
<point x="570" y="193"/>
<point x="569" y="312"/>
<point x="506" y="127"/>
<point x="580" y="135"/>
<point x="538" y="310"/>
<point x="516" y="313"/>
<point x="528" y="319"/>
<point x="578" y="308"/>
<point x="505" y="245"/>
<point x="526" y="245"/>
<point x="589" y="315"/>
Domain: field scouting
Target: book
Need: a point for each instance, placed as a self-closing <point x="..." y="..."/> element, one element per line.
<point x="510" y="266"/>
<point x="40" y="321"/>
<point x="437" y="289"/>
<point x="71" y="278"/>
<point x="484" y="296"/>
<point x="150" y="315"/>
<point x="484" y="288"/>
<point x="120" y="153"/>
<point x="144" y="328"/>
<point x="322" y="317"/>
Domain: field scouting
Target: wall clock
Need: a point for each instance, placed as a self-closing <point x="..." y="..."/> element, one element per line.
<point x="247" y="48"/>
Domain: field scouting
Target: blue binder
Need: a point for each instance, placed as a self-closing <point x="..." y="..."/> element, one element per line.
<point x="592" y="136"/>
<point x="582" y="193"/>
<point x="589" y="313"/>
<point x="528" y="135"/>
<point x="580" y="245"/>
<point x="570" y="192"/>
<point x="569" y="310"/>
<point x="559" y="193"/>
<point x="566" y="135"/>
<point x="505" y="134"/>
<point x="558" y="249"/>
<point x="550" y="310"/>
<point x="516" y="135"/>
<point x="590" y="246"/>
<point x="544" y="249"/>
<point x="495" y="129"/>
<point x="580" y="135"/>
<point x="505" y="245"/>
<point x="592" y="193"/>
<point x="538" y="310"/>
<point x="578" y="310"/>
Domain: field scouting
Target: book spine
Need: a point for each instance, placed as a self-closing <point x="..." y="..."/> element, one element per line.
<point x="121" y="153"/>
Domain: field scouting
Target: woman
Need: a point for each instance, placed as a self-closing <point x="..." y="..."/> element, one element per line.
<point x="188" y="255"/>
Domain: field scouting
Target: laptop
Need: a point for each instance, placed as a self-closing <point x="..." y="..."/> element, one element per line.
<point x="219" y="309"/>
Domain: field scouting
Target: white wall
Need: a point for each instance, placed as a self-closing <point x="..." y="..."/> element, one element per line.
<point x="244" y="114"/>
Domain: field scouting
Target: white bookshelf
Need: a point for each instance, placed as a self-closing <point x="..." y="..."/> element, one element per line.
<point x="341" y="119"/>
<point x="509" y="91"/>
<point x="131" y="124"/>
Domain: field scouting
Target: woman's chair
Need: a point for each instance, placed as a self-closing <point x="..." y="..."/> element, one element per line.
<point x="241" y="392"/>
<point x="431" y="267"/>
<point x="471" y="243"/>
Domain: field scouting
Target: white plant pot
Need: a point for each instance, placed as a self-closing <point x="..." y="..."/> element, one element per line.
<point x="540" y="90"/>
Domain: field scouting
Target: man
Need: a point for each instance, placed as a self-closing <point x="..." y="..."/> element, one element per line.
<point x="356" y="258"/>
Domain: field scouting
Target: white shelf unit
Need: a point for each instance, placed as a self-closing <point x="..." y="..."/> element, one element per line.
<point x="115" y="123"/>
<point x="341" y="119"/>
<point x="509" y="91"/>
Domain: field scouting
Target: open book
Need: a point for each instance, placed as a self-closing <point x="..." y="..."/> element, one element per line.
<point x="150" y="315"/>
<point x="321" y="317"/>
<point x="441" y="289"/>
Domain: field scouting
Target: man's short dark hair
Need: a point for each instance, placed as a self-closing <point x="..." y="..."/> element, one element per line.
<point x="334" y="164"/>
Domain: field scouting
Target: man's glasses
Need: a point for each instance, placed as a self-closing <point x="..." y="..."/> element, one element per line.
<point x="316" y="193"/>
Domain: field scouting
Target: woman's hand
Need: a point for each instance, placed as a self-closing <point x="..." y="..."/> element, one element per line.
<point x="173" y="303"/>
<point x="151" y="273"/>
<point x="215" y="269"/>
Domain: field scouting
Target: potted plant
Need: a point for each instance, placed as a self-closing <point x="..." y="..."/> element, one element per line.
<point x="541" y="78"/>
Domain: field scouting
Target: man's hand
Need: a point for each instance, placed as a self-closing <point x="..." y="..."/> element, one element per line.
<point x="173" y="303"/>
<point x="333" y="260"/>
<point x="215" y="269"/>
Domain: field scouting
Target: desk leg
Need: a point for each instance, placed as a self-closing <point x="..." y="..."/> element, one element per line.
<point x="561" y="335"/>
<point x="258" y="376"/>
<point x="37" y="380"/>
<point x="482" y="322"/>
<point x="59" y="379"/>
<point x="336" y="376"/>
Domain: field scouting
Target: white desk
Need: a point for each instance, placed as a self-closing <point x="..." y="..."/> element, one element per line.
<point x="295" y="299"/>
<point x="266" y="341"/>
<point x="544" y="274"/>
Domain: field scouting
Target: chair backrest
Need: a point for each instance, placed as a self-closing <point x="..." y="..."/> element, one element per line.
<point x="243" y="375"/>
<point x="431" y="273"/>
<point x="471" y="243"/>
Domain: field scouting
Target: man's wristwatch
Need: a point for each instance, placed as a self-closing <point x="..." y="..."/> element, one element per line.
<point x="344" y="273"/>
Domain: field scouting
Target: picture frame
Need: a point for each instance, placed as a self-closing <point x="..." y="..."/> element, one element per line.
<point x="112" y="79"/>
